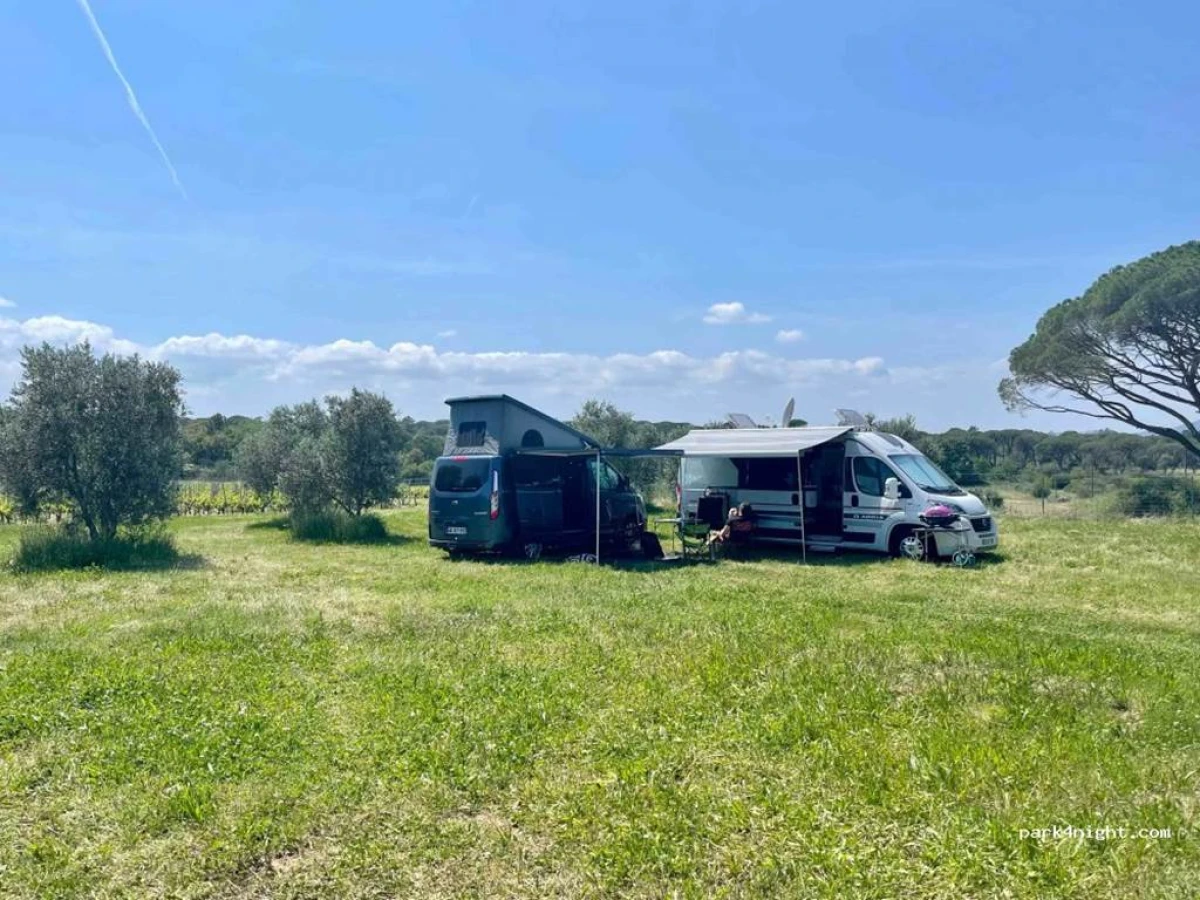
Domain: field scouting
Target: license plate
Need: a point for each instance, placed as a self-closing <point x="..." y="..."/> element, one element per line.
<point x="988" y="542"/>
<point x="456" y="529"/>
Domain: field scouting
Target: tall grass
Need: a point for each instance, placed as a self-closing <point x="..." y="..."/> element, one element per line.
<point x="44" y="549"/>
<point x="336" y="527"/>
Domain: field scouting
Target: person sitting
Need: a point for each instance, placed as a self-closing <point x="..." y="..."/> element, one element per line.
<point x="738" y="526"/>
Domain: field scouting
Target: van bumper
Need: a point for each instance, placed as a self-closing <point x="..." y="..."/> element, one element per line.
<point x="985" y="536"/>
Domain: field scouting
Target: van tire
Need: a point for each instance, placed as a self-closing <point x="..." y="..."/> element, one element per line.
<point x="898" y="546"/>
<point x="633" y="536"/>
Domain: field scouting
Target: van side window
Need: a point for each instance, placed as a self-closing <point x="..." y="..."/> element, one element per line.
<point x="610" y="479"/>
<point x="471" y="434"/>
<point x="765" y="473"/>
<point x="536" y="471"/>
<point x="870" y="474"/>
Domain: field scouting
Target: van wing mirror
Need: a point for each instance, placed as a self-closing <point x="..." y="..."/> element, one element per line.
<point x="891" y="489"/>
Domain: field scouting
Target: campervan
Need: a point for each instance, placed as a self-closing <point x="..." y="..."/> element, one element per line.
<point x="513" y="479"/>
<point x="832" y="487"/>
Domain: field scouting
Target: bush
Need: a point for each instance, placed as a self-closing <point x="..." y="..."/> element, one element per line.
<point x="1158" y="495"/>
<point x="48" y="549"/>
<point x="338" y="528"/>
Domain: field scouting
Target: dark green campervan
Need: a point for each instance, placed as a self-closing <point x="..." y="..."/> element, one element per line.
<point x="514" y="479"/>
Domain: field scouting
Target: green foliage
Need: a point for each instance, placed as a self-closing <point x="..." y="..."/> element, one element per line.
<point x="46" y="549"/>
<point x="903" y="427"/>
<point x="992" y="498"/>
<point x="337" y="527"/>
<point x="222" y="498"/>
<point x="210" y="445"/>
<point x="1159" y="495"/>
<point x="345" y="453"/>
<point x="1128" y="349"/>
<point x="99" y="434"/>
<point x="613" y="427"/>
<point x="363" y="450"/>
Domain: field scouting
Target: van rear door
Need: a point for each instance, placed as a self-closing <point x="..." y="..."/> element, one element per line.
<point x="464" y="502"/>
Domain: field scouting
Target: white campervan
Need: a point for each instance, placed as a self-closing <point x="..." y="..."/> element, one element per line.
<point x="860" y="489"/>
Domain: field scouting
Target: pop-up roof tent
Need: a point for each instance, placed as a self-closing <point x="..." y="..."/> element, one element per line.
<point x="497" y="423"/>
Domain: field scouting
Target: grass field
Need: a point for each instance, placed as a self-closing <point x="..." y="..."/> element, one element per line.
<point x="275" y="719"/>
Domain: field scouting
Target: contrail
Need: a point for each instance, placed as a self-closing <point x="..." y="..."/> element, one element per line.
<point x="131" y="96"/>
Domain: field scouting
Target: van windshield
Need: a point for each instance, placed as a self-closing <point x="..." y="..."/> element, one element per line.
<point x="925" y="474"/>
<point x="461" y="476"/>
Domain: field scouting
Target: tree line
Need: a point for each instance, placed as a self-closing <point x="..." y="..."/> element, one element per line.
<point x="104" y="438"/>
<point x="971" y="456"/>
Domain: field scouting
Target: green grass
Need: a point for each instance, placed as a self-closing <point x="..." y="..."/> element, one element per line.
<point x="291" y="720"/>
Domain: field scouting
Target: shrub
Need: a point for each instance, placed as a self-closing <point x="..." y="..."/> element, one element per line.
<point x="48" y="549"/>
<point x="1158" y="495"/>
<point x="336" y="527"/>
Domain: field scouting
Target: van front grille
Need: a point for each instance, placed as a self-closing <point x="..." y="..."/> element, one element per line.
<point x="983" y="523"/>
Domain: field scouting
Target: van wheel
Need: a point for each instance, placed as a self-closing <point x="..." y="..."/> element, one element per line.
<point x="533" y="551"/>
<point x="906" y="544"/>
<point x="633" y="537"/>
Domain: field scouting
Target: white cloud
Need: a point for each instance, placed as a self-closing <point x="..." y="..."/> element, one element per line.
<point x="58" y="330"/>
<point x="5" y="303"/>
<point x="240" y="346"/>
<point x="733" y="314"/>
<point x="448" y="333"/>
<point x="789" y="335"/>
<point x="247" y="373"/>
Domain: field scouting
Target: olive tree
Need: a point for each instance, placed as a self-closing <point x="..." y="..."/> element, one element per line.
<point x="1127" y="349"/>
<point x="344" y="453"/>
<point x="362" y="450"/>
<point x="101" y="434"/>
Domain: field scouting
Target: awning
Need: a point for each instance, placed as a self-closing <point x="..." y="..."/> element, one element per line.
<point x="739" y="442"/>
<point x="606" y="452"/>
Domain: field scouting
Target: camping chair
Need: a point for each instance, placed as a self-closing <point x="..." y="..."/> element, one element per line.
<point x="711" y="511"/>
<point x="693" y="540"/>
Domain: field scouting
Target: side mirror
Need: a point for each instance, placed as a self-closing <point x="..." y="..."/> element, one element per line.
<point x="891" y="489"/>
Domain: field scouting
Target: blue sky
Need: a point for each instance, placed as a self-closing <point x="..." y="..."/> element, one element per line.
<point x="685" y="208"/>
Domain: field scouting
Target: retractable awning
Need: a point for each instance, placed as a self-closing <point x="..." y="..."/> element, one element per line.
<point x="606" y="452"/>
<point x="741" y="442"/>
<point x="599" y="453"/>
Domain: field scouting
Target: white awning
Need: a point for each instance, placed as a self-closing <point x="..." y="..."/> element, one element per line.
<point x="738" y="442"/>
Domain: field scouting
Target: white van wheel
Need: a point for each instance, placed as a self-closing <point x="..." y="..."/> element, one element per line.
<point x="533" y="551"/>
<point x="912" y="547"/>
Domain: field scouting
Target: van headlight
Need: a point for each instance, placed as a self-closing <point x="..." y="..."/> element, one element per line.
<point x="958" y="509"/>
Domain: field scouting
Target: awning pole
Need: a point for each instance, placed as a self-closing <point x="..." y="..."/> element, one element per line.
<point x="597" y="506"/>
<point x="800" y="480"/>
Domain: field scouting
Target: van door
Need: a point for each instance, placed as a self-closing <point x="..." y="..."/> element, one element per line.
<point x="464" y="503"/>
<point x="867" y="514"/>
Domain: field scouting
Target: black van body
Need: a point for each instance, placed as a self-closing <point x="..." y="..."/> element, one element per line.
<point x="527" y="504"/>
<point x="512" y="477"/>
